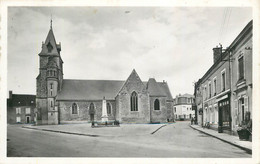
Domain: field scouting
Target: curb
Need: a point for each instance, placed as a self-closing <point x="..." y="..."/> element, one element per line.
<point x="56" y="131"/>
<point x="158" y="129"/>
<point x="249" y="151"/>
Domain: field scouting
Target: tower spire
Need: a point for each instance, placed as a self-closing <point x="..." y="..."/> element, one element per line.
<point x="51" y="22"/>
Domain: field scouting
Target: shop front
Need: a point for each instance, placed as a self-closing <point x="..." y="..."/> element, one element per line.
<point x="224" y="113"/>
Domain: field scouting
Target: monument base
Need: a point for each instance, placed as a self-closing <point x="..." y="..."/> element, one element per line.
<point x="104" y="119"/>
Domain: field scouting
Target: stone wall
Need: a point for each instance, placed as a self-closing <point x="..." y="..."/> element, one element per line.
<point x="170" y="113"/>
<point x="128" y="116"/>
<point x="134" y="84"/>
<point x="42" y="111"/>
<point x="43" y="61"/>
<point x="65" y="110"/>
<point x="158" y="115"/>
<point x="41" y="86"/>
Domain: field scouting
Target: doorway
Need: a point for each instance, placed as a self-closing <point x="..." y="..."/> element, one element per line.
<point x="224" y="114"/>
<point x="91" y="117"/>
<point x="91" y="112"/>
<point x="27" y="119"/>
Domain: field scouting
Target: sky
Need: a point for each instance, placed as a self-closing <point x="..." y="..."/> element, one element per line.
<point x="166" y="43"/>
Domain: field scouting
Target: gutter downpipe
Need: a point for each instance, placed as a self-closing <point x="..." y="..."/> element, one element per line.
<point x="230" y="83"/>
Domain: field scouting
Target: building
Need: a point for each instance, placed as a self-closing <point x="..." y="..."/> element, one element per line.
<point x="61" y="100"/>
<point x="241" y="73"/>
<point x="20" y="108"/>
<point x="183" y="107"/>
<point x="224" y="93"/>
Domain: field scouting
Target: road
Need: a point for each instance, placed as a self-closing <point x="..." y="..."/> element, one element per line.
<point x="173" y="140"/>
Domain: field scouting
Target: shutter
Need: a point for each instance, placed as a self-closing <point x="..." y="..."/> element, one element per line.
<point x="246" y="103"/>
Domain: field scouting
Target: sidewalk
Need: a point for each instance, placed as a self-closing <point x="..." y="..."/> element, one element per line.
<point x="233" y="140"/>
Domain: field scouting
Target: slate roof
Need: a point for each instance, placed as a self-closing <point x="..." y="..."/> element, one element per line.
<point x="164" y="86"/>
<point x="154" y="88"/>
<point x="50" y="39"/>
<point x="21" y="100"/>
<point x="97" y="89"/>
<point x="89" y="89"/>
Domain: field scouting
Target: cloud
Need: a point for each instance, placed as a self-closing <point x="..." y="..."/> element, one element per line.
<point x="168" y="43"/>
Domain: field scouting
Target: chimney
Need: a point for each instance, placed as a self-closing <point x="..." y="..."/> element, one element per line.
<point x="10" y="94"/>
<point x="217" y="51"/>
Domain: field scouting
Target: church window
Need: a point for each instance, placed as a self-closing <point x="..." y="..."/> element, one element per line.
<point x="156" y="104"/>
<point x="54" y="73"/>
<point x="108" y="108"/>
<point x="51" y="85"/>
<point x="51" y="104"/>
<point x="91" y="108"/>
<point x="134" y="101"/>
<point x="74" y="108"/>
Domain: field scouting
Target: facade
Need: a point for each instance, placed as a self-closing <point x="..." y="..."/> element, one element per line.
<point x="20" y="108"/>
<point x="224" y="94"/>
<point x="242" y="81"/>
<point x="61" y="100"/>
<point x="183" y="107"/>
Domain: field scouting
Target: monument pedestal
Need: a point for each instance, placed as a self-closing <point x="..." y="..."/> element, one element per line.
<point x="104" y="111"/>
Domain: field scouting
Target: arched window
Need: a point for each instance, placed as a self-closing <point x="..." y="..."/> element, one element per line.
<point x="134" y="101"/>
<point x="91" y="108"/>
<point x="108" y="108"/>
<point x="74" y="108"/>
<point x="156" y="104"/>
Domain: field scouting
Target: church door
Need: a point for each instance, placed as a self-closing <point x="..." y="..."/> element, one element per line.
<point x="91" y="117"/>
<point x="91" y="112"/>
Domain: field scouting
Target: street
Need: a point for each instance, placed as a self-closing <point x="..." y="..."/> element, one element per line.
<point x="172" y="140"/>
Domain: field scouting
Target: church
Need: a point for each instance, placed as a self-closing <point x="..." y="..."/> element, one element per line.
<point x="61" y="100"/>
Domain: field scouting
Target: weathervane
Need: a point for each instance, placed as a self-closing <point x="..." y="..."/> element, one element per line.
<point x="51" y="21"/>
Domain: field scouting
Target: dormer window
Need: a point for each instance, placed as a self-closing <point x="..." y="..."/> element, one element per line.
<point x="49" y="47"/>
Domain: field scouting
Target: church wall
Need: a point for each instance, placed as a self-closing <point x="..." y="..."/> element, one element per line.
<point x="53" y="118"/>
<point x="170" y="113"/>
<point x="43" y="61"/>
<point x="140" y="116"/>
<point x="117" y="109"/>
<point x="57" y="60"/>
<point x="42" y="111"/>
<point x="159" y="115"/>
<point x="65" y="108"/>
<point x="112" y="116"/>
<point x="42" y="84"/>
<point x="52" y="92"/>
<point x="134" y="84"/>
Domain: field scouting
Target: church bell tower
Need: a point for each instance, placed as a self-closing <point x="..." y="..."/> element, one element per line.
<point x="49" y="81"/>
